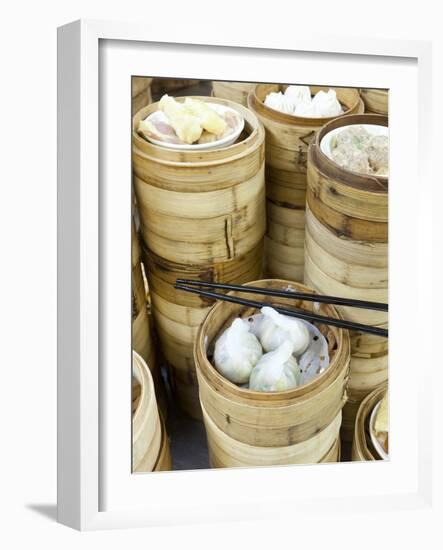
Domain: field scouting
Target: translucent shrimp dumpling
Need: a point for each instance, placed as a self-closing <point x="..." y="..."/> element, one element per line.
<point x="277" y="370"/>
<point x="275" y="328"/>
<point x="236" y="353"/>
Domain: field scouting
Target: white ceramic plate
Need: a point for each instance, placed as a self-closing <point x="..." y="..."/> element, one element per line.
<point x="223" y="142"/>
<point x="375" y="129"/>
<point x="378" y="447"/>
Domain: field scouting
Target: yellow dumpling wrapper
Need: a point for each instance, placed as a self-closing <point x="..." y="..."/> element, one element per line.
<point x="381" y="423"/>
<point x="207" y="117"/>
<point x="186" y="125"/>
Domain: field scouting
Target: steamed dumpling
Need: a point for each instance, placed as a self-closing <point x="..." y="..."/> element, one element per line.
<point x="236" y="353"/>
<point x="276" y="371"/>
<point x="275" y="328"/>
<point x="186" y="125"/>
<point x="277" y="101"/>
<point x="209" y="120"/>
<point x="298" y="94"/>
<point x="327" y="104"/>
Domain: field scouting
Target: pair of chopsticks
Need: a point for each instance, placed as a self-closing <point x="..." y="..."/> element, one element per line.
<point x="195" y="287"/>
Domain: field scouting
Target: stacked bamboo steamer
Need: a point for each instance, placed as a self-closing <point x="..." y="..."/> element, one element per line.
<point x="141" y="93"/>
<point x="150" y="448"/>
<point x="287" y="141"/>
<point x="362" y="447"/>
<point x="249" y="428"/>
<point x="202" y="216"/>
<point x="346" y="254"/>
<point x="234" y="91"/>
<point x="375" y="100"/>
<point x="162" y="85"/>
<point x="142" y="341"/>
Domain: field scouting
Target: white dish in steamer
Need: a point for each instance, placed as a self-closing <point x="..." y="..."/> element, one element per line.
<point x="220" y="109"/>
<point x="374" y="129"/>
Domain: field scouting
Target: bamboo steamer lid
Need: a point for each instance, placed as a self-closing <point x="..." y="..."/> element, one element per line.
<point x="141" y="93"/>
<point x="271" y="419"/>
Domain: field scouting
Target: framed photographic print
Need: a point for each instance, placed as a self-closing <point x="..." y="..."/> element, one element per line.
<point x="237" y="224"/>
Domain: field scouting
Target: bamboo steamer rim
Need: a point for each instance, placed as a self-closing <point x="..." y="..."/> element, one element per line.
<point x="199" y="270"/>
<point x="259" y="93"/>
<point x="329" y="169"/>
<point x="222" y="440"/>
<point x="211" y="157"/>
<point x="209" y="372"/>
<point x="364" y="411"/>
<point x="142" y="374"/>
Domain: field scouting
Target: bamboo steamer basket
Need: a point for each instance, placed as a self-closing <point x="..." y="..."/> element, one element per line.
<point x="271" y="419"/>
<point x="226" y="452"/>
<point x="142" y="340"/>
<point x="178" y="315"/>
<point x="201" y="207"/>
<point x="141" y="93"/>
<point x="162" y="86"/>
<point x="287" y="140"/>
<point x="362" y="447"/>
<point x="164" y="459"/>
<point x="234" y="91"/>
<point x="146" y="426"/>
<point x="346" y="254"/>
<point x="375" y="100"/>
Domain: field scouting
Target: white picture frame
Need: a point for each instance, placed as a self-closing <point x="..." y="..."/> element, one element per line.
<point x="96" y="489"/>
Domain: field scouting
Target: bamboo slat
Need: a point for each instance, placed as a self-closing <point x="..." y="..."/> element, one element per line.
<point x="271" y="419"/>
<point x="141" y="93"/>
<point x="234" y="91"/>
<point x="178" y="315"/>
<point x="146" y="426"/>
<point x="200" y="207"/>
<point x="346" y="254"/>
<point x="142" y="340"/>
<point x="375" y="100"/>
<point x="202" y="216"/>
<point x="287" y="141"/>
<point x="362" y="447"/>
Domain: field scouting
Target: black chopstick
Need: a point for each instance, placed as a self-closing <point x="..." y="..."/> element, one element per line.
<point x="364" y="304"/>
<point x="297" y="313"/>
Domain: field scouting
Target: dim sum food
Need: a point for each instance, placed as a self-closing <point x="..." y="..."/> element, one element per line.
<point x="279" y="102"/>
<point x="273" y="329"/>
<point x="186" y="125"/>
<point x="295" y="351"/>
<point x="298" y="101"/>
<point x="207" y="117"/>
<point x="236" y="353"/>
<point x="192" y="122"/>
<point x="358" y="150"/>
<point x="277" y="370"/>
